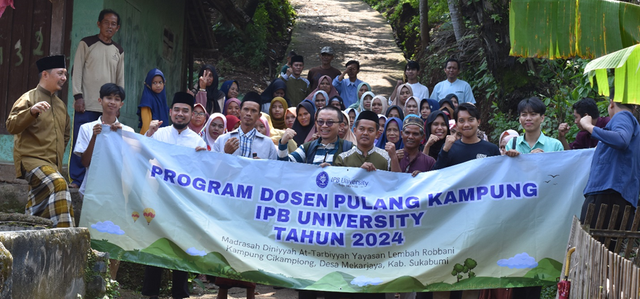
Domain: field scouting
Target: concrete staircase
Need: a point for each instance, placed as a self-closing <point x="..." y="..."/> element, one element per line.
<point x="14" y="192"/>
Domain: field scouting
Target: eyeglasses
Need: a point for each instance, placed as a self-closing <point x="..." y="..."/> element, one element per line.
<point x="328" y="122"/>
<point x="199" y="114"/>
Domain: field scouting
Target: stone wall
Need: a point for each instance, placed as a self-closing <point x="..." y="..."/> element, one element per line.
<point x="47" y="263"/>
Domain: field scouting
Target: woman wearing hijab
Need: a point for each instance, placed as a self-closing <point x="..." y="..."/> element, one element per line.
<point x="447" y="104"/>
<point x="230" y="89"/>
<point x="290" y="117"/>
<point x="337" y="102"/>
<point x="379" y="104"/>
<point x="319" y="99"/>
<point x="324" y="84"/>
<point x="232" y="107"/>
<point x="365" y="101"/>
<point x="352" y="115"/>
<point x="426" y="107"/>
<point x="345" y="132"/>
<point x="198" y="119"/>
<point x="411" y="106"/>
<point x="277" y="88"/>
<point x="403" y="92"/>
<point x="207" y="92"/>
<point x="277" y="112"/>
<point x="436" y="130"/>
<point x="362" y="88"/>
<point x="395" y="111"/>
<point x="215" y="126"/>
<point x="304" y="125"/>
<point x="153" y="104"/>
<point x="391" y="133"/>
<point x="505" y="137"/>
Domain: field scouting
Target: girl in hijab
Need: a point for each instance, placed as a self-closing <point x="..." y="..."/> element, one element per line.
<point x="198" y="119"/>
<point x="394" y="111"/>
<point x="411" y="106"/>
<point x="304" y="125"/>
<point x="362" y="88"/>
<point x="436" y="130"/>
<point x="277" y="88"/>
<point x="319" y="99"/>
<point x="153" y="104"/>
<point x="207" y="92"/>
<point x="365" y="101"/>
<point x="324" y="84"/>
<point x="262" y="126"/>
<point x="337" y="102"/>
<point x="382" y="120"/>
<point x="505" y="137"/>
<point x="447" y="104"/>
<point x="352" y="114"/>
<point x="391" y="133"/>
<point x="230" y="89"/>
<point x="232" y="107"/>
<point x="379" y="104"/>
<point x="426" y="106"/>
<point x="290" y="117"/>
<point x="232" y="122"/>
<point x="277" y="111"/>
<point x="345" y="132"/>
<point x="215" y="126"/>
<point x="403" y="92"/>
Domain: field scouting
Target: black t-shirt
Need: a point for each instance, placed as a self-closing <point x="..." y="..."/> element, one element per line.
<point x="461" y="152"/>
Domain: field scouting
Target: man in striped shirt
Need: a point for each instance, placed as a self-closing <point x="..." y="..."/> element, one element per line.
<point x="322" y="150"/>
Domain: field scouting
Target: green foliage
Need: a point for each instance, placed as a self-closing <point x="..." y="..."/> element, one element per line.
<point x="270" y="20"/>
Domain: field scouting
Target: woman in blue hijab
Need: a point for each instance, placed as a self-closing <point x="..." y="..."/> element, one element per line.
<point x="153" y="104"/>
<point x="392" y="129"/>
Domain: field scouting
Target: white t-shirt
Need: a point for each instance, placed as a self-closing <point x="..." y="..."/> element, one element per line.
<point x="85" y="133"/>
<point x="420" y="91"/>
<point x="459" y="87"/>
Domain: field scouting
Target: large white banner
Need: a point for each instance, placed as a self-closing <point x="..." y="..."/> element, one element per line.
<point x="487" y="223"/>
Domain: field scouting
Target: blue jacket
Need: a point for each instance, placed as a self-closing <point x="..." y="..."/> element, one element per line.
<point x="616" y="160"/>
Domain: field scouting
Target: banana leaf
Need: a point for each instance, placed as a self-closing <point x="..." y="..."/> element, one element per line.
<point x="572" y="28"/>
<point x="626" y="64"/>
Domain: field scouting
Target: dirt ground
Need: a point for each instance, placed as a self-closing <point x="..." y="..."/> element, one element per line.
<point x="355" y="31"/>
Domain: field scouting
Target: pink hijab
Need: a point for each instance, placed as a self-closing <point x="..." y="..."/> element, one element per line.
<point x="332" y="91"/>
<point x="206" y="115"/>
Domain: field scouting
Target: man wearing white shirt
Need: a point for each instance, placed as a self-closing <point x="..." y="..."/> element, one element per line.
<point x="179" y="134"/>
<point x="453" y="85"/>
<point x="411" y="71"/>
<point x="111" y="99"/>
<point x="246" y="141"/>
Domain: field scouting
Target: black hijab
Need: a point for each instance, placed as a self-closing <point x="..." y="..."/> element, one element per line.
<point x="301" y="131"/>
<point x="436" y="147"/>
<point x="397" y="108"/>
<point x="267" y="94"/>
<point x="213" y="94"/>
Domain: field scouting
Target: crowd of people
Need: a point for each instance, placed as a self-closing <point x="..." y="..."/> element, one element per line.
<point x="331" y="117"/>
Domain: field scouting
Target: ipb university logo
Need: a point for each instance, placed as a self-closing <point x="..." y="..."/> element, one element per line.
<point x="322" y="180"/>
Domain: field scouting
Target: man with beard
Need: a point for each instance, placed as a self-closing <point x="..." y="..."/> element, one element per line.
<point x="179" y="134"/>
<point x="40" y="125"/>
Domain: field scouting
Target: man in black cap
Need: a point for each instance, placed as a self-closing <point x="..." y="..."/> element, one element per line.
<point x="180" y="134"/>
<point x="366" y="155"/>
<point x="246" y="141"/>
<point x="325" y="68"/>
<point x="297" y="86"/>
<point x="40" y="125"/>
